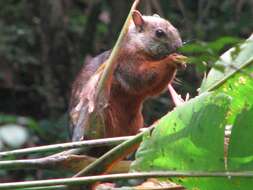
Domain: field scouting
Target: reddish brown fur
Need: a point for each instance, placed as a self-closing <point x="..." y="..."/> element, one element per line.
<point x="141" y="72"/>
<point x="124" y="112"/>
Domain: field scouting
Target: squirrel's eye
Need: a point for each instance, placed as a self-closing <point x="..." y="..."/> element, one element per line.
<point x="159" y="33"/>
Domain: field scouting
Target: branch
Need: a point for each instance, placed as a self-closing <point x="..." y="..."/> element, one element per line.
<point x="72" y="163"/>
<point x="104" y="87"/>
<point x="105" y="162"/>
<point x="56" y="187"/>
<point x="61" y="187"/>
<point x="141" y="175"/>
<point x="64" y="146"/>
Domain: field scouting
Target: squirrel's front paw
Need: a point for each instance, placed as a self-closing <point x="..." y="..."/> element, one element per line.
<point x="178" y="59"/>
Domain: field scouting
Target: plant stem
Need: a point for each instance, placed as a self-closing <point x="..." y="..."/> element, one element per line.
<point x="58" y="187"/>
<point x="142" y="175"/>
<point x="105" y="162"/>
<point x="64" y="146"/>
<point x="66" y="163"/>
<point x="104" y="82"/>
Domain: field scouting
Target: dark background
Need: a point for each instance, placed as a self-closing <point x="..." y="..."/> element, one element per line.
<point x="43" y="44"/>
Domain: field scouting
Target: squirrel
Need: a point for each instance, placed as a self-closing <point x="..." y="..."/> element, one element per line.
<point x="147" y="62"/>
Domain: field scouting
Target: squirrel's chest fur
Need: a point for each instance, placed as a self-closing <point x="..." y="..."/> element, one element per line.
<point x="134" y="81"/>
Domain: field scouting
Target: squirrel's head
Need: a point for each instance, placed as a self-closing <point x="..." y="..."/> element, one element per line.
<point x="153" y="35"/>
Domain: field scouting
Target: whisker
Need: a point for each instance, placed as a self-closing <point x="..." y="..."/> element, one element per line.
<point x="177" y="81"/>
<point x="189" y="41"/>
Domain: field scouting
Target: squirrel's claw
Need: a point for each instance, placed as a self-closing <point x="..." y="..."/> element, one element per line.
<point x="179" y="60"/>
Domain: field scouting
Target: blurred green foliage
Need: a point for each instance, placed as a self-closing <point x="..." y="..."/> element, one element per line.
<point x="205" y="54"/>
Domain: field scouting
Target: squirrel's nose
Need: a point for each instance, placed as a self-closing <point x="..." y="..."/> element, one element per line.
<point x="177" y="44"/>
<point x="173" y="47"/>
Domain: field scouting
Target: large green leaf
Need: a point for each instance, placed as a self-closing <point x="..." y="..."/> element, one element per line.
<point x="240" y="151"/>
<point x="236" y="80"/>
<point x="233" y="60"/>
<point x="241" y="138"/>
<point x="189" y="138"/>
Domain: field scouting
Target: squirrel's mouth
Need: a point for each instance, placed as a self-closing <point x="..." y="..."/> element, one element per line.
<point x="163" y="50"/>
<point x="179" y="60"/>
<point x="174" y="47"/>
<point x="174" y="52"/>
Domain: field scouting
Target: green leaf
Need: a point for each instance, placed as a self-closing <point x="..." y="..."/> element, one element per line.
<point x="240" y="151"/>
<point x="209" y="47"/>
<point x="236" y="80"/>
<point x="223" y="41"/>
<point x="189" y="138"/>
<point x="203" y="54"/>
<point x="197" y="47"/>
<point x="234" y="60"/>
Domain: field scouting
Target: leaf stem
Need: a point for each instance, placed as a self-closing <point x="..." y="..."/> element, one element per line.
<point x="105" y="162"/>
<point x="141" y="175"/>
<point x="104" y="85"/>
<point x="64" y="146"/>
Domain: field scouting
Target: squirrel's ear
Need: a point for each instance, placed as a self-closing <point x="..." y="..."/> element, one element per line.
<point x="138" y="19"/>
